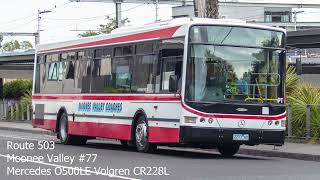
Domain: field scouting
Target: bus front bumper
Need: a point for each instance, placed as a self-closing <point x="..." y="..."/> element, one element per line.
<point x="201" y="135"/>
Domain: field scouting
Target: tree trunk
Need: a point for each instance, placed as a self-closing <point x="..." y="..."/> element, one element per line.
<point x="206" y="8"/>
<point x="212" y="9"/>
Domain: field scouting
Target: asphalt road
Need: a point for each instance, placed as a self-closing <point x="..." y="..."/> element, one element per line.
<point x="176" y="163"/>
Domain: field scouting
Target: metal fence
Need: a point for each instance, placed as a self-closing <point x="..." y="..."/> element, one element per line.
<point x="307" y="125"/>
<point x="15" y="110"/>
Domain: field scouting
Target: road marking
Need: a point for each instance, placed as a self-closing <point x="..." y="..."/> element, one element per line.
<point x="68" y="167"/>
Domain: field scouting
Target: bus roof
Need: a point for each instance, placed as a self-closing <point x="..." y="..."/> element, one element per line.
<point x="160" y="30"/>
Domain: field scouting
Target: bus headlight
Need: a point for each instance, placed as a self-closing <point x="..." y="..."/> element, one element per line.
<point x="188" y="119"/>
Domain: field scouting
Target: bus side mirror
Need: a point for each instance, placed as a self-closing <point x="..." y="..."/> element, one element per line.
<point x="173" y="83"/>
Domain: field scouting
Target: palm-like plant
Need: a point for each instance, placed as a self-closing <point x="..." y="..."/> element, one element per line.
<point x="302" y="96"/>
<point x="25" y="104"/>
<point x="292" y="80"/>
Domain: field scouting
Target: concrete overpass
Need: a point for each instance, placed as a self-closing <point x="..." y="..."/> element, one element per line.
<point x="16" y="65"/>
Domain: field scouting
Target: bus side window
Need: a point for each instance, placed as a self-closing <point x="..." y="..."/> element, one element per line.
<point x="83" y="71"/>
<point x="144" y="74"/>
<point x="170" y="64"/>
<point x="121" y="71"/>
<point x="53" y="71"/>
<point x="101" y="71"/>
<point x="69" y="77"/>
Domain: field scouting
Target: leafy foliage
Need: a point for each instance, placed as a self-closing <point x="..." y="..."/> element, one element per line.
<point x="14" y="45"/>
<point x="24" y="106"/>
<point x="26" y="45"/>
<point x="105" y="28"/>
<point x="302" y="96"/>
<point x="88" y="33"/>
<point x="16" y="89"/>
<point x="27" y="97"/>
<point x="11" y="45"/>
<point x="1" y="39"/>
<point x="292" y="80"/>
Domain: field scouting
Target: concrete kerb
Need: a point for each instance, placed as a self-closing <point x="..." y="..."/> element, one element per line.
<point x="35" y="131"/>
<point x="288" y="155"/>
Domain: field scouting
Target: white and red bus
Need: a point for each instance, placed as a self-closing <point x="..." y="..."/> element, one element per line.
<point x="186" y="82"/>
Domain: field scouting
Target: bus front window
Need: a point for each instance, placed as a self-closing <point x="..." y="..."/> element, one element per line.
<point x="233" y="72"/>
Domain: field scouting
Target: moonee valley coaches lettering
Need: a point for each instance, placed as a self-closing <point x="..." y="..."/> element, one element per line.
<point x="112" y="107"/>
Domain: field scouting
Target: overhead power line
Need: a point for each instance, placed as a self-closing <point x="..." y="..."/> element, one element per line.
<point x="30" y="15"/>
<point x="97" y="17"/>
<point x="21" y="25"/>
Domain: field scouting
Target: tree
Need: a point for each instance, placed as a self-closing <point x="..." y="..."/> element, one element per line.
<point x="1" y="39"/>
<point x="26" y="45"/>
<point x="88" y="33"/>
<point x="212" y="9"/>
<point x="14" y="45"/>
<point x="206" y="8"/>
<point x="105" y="28"/>
<point x="11" y="45"/>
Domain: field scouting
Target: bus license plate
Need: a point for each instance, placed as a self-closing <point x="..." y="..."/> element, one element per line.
<point x="241" y="137"/>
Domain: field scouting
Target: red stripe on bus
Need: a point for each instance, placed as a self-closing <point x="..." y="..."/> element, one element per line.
<point x="163" y="135"/>
<point x="160" y="34"/>
<point x="48" y="124"/>
<point x="233" y="116"/>
<point x="112" y="97"/>
<point x="105" y="130"/>
<point x="114" y="131"/>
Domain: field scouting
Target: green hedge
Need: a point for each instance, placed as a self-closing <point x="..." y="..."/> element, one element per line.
<point x="16" y="89"/>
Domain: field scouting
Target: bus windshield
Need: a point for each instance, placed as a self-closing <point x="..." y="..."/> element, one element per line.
<point x="235" y="64"/>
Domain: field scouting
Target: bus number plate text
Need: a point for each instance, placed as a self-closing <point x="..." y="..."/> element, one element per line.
<point x="241" y="137"/>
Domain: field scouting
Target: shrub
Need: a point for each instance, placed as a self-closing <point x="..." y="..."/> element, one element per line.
<point x="302" y="96"/>
<point x="292" y="80"/>
<point x="16" y="89"/>
<point x="24" y="106"/>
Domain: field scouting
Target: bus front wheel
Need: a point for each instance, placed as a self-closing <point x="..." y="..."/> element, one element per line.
<point x="228" y="150"/>
<point x="141" y="136"/>
<point x="63" y="135"/>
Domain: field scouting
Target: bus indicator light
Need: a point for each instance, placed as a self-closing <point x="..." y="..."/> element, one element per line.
<point x="188" y="119"/>
<point x="283" y="123"/>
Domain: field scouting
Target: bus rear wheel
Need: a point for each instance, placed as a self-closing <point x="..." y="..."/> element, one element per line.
<point x="63" y="135"/>
<point x="141" y="136"/>
<point x="228" y="150"/>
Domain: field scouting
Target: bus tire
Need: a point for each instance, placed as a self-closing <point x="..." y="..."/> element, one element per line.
<point x="228" y="150"/>
<point x="63" y="135"/>
<point x="141" y="136"/>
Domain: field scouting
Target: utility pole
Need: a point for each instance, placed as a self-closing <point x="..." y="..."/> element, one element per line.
<point x="118" y="12"/>
<point x="295" y="18"/>
<point x="157" y="9"/>
<point x="206" y="8"/>
<point x="38" y="30"/>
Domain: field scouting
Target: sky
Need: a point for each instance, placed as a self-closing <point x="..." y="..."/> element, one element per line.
<point x="21" y="16"/>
